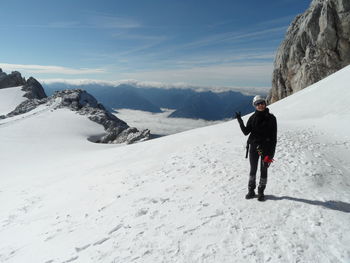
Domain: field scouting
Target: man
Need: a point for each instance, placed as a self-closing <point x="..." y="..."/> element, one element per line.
<point x="262" y="127"/>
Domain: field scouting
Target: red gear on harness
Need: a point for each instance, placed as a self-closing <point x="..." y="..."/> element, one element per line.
<point x="267" y="159"/>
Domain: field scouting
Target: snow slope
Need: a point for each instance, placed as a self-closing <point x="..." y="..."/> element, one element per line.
<point x="10" y="98"/>
<point x="178" y="198"/>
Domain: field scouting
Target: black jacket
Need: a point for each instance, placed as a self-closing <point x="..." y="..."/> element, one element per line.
<point x="262" y="127"/>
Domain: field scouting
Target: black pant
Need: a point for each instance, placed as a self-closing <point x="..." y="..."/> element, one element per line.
<point x="254" y="159"/>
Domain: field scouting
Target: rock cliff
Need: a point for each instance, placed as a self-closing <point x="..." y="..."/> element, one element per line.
<point x="317" y="44"/>
<point x="11" y="80"/>
<point x="32" y="88"/>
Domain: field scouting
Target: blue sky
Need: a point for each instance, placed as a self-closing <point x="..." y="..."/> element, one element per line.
<point x="227" y="43"/>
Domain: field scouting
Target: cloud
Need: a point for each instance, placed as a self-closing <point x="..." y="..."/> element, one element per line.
<point x="78" y="82"/>
<point x="231" y="37"/>
<point x="247" y="90"/>
<point x="158" y="123"/>
<point x="54" y="25"/>
<point x="285" y="20"/>
<point x="40" y="69"/>
<point x="239" y="74"/>
<point x="226" y="57"/>
<point x="114" y="22"/>
<point x="92" y="21"/>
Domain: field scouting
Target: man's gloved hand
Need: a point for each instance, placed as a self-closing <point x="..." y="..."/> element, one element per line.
<point x="238" y="115"/>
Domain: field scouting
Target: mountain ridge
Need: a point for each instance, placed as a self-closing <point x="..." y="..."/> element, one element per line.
<point x="222" y="104"/>
<point x="79" y="101"/>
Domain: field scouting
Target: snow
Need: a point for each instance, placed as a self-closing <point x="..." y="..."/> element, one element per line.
<point x="10" y="98"/>
<point x="179" y="198"/>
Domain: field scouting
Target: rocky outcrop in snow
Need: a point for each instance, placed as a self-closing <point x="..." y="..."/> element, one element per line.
<point x="85" y="104"/>
<point x="32" y="88"/>
<point x="11" y="80"/>
<point x="117" y="131"/>
<point x="317" y="44"/>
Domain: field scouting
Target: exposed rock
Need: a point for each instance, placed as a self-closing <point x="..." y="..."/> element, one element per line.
<point x="117" y="131"/>
<point x="26" y="106"/>
<point x="317" y="44"/>
<point x="11" y="80"/>
<point x="33" y="89"/>
<point x="85" y="104"/>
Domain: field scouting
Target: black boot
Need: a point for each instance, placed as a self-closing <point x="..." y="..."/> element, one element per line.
<point x="250" y="195"/>
<point x="261" y="196"/>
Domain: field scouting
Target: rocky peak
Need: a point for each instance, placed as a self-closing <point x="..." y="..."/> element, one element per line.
<point x="117" y="131"/>
<point x="316" y="45"/>
<point x="11" y="80"/>
<point x="33" y="89"/>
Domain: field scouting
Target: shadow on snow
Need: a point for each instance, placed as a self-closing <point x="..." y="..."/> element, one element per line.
<point x="334" y="205"/>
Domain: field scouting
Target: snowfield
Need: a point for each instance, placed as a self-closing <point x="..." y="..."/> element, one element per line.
<point x="10" y="98"/>
<point x="178" y="198"/>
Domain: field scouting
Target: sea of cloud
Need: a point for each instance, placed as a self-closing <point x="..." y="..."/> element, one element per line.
<point x="161" y="85"/>
<point x="159" y="123"/>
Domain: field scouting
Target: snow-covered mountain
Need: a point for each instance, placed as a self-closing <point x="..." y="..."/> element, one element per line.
<point x="178" y="198"/>
<point x="29" y="99"/>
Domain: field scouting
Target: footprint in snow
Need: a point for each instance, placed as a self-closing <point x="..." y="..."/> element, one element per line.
<point x="79" y="249"/>
<point x="101" y="241"/>
<point x="141" y="212"/>
<point x="115" y="229"/>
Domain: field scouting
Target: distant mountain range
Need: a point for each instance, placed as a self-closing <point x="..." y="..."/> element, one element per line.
<point x="187" y="103"/>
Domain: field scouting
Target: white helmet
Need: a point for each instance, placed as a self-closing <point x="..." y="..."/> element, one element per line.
<point x="258" y="99"/>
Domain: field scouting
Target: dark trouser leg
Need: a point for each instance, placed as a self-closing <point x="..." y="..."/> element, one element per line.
<point x="262" y="182"/>
<point x="253" y="159"/>
<point x="263" y="176"/>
